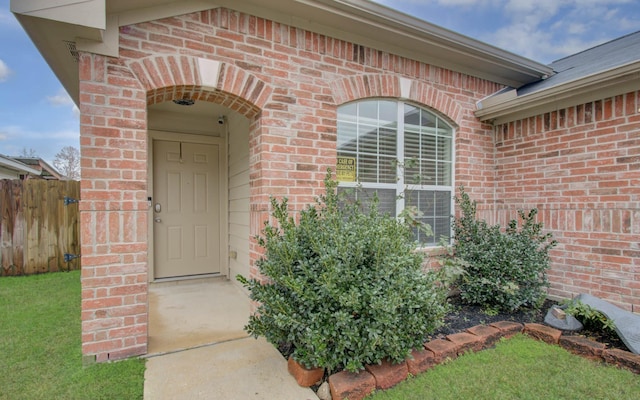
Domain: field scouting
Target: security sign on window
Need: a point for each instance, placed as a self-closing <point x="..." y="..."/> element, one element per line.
<point x="346" y="169"/>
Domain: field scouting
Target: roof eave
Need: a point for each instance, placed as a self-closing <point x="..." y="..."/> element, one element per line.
<point x="369" y="24"/>
<point x="597" y="86"/>
<point x="17" y="166"/>
<point x="386" y="29"/>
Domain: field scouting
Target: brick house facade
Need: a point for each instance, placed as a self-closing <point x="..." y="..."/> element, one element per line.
<point x="279" y="86"/>
<point x="579" y="167"/>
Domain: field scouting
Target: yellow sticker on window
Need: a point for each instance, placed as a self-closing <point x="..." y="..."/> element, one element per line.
<point x="346" y="169"/>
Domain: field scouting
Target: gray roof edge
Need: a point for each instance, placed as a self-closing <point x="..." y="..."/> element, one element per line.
<point x="395" y="17"/>
<point x="606" y="82"/>
<point x="594" y="47"/>
<point x="42" y="163"/>
<point x="386" y="26"/>
<point x="10" y="163"/>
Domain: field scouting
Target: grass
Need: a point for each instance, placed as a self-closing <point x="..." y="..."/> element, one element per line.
<point x="518" y="368"/>
<point x="40" y="348"/>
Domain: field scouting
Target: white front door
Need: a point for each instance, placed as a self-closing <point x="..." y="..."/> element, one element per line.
<point x="186" y="209"/>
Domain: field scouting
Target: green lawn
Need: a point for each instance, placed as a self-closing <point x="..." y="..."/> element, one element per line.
<point x="518" y="368"/>
<point x="40" y="353"/>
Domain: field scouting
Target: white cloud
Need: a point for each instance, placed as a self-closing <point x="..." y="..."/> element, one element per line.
<point x="547" y="30"/>
<point x="576" y="28"/>
<point x="543" y="30"/>
<point x="63" y="99"/>
<point x="453" y="2"/>
<point x="60" y="99"/>
<point x="4" y="71"/>
<point x="45" y="143"/>
<point x="14" y="132"/>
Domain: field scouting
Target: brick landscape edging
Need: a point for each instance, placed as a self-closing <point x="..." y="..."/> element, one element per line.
<point x="356" y="386"/>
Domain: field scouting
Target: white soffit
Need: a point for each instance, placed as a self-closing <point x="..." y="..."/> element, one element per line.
<point x="82" y="13"/>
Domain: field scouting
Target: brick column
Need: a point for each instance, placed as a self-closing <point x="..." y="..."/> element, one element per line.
<point x="113" y="213"/>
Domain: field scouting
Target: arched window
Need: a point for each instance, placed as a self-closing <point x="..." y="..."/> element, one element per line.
<point x="402" y="152"/>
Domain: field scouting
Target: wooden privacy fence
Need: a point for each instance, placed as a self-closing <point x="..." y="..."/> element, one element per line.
<point x="39" y="229"/>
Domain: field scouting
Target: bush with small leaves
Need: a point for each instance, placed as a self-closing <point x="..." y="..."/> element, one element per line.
<point x="505" y="270"/>
<point x="591" y="319"/>
<point x="343" y="286"/>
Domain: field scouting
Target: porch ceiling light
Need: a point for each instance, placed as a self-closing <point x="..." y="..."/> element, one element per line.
<point x="184" y="101"/>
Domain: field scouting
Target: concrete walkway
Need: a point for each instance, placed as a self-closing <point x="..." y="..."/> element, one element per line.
<point x="198" y="348"/>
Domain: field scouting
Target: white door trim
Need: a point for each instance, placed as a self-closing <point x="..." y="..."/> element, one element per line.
<point x="223" y="193"/>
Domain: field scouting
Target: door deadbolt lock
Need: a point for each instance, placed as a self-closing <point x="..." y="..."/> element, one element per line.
<point x="157" y="207"/>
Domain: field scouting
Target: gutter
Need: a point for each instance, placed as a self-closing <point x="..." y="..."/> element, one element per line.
<point x="17" y="166"/>
<point x="446" y="38"/>
<point x="508" y="106"/>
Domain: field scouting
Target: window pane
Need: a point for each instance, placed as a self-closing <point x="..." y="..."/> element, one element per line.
<point x="418" y="199"/>
<point x="427" y="119"/>
<point x="367" y="167"/>
<point x="411" y="117"/>
<point x="419" y="235"/>
<point x="412" y="158"/>
<point x="444" y="149"/>
<point x="387" y="141"/>
<point x="348" y="112"/>
<point x="444" y="130"/>
<point x="436" y="209"/>
<point x="428" y="147"/>
<point x="412" y="173"/>
<point x="441" y="229"/>
<point x="411" y="145"/>
<point x="388" y="112"/>
<point x="443" y="204"/>
<point x="386" y="198"/>
<point x="428" y="202"/>
<point x="387" y="170"/>
<point x="347" y="137"/>
<point x="368" y="112"/>
<point x="442" y="223"/>
<point x="427" y="173"/>
<point x="444" y="174"/>
<point x="346" y="196"/>
<point x="368" y="139"/>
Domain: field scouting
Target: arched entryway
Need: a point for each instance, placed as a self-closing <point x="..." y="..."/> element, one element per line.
<point x="198" y="217"/>
<point x="201" y="117"/>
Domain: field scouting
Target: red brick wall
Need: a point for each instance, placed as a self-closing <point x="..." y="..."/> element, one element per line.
<point x="580" y="167"/>
<point x="113" y="212"/>
<point x="289" y="82"/>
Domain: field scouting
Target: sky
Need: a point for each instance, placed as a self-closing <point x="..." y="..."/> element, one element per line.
<point x="36" y="112"/>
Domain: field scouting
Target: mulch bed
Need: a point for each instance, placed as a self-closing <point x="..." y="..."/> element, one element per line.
<point x="465" y="316"/>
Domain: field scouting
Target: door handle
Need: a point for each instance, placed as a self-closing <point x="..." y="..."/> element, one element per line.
<point x="157" y="219"/>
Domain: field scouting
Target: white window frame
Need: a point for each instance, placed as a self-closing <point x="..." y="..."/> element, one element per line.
<point x="400" y="186"/>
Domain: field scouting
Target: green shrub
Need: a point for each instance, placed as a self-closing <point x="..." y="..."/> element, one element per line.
<point x="344" y="287"/>
<point x="505" y="270"/>
<point x="592" y="319"/>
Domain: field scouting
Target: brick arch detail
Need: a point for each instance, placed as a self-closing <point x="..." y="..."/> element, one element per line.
<point x="168" y="77"/>
<point x="385" y="85"/>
